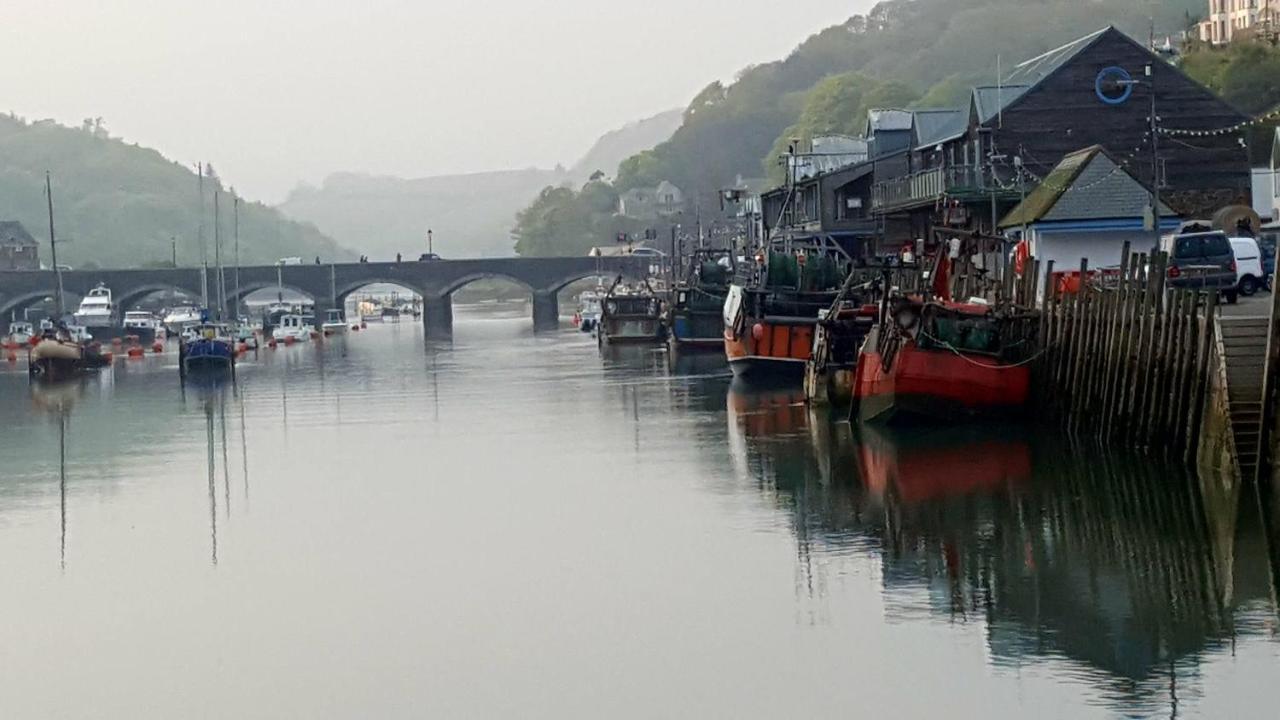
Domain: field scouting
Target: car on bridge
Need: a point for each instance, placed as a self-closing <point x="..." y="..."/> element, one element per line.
<point x="429" y="257"/>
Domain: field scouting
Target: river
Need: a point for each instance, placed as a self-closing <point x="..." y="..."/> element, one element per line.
<point x="513" y="526"/>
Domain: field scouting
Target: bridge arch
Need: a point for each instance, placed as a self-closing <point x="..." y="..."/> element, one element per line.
<point x="458" y="283"/>
<point x="249" y="288"/>
<point x="127" y="299"/>
<point x="354" y="286"/>
<point x="18" y="303"/>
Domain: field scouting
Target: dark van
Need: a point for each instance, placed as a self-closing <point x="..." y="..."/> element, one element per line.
<point x="1202" y="260"/>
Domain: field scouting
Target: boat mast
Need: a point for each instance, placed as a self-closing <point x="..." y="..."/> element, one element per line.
<point x="53" y="248"/>
<point x="235" y="204"/>
<point x="204" y="253"/>
<point x="217" y="259"/>
<point x="333" y="285"/>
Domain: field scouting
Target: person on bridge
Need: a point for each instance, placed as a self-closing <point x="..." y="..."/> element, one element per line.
<point x="317" y="259"/>
<point x="397" y="258"/>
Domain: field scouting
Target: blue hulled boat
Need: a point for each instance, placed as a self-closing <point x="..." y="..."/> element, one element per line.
<point x="211" y="349"/>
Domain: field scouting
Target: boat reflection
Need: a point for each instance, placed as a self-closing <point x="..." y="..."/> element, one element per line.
<point x="56" y="399"/>
<point x="1127" y="569"/>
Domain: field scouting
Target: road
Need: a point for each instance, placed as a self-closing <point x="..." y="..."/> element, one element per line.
<point x="1257" y="306"/>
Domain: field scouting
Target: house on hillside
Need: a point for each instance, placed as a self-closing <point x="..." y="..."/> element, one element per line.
<point x="1088" y="207"/>
<point x="957" y="168"/>
<point x="18" y="250"/>
<point x="651" y="203"/>
<point x="1228" y="19"/>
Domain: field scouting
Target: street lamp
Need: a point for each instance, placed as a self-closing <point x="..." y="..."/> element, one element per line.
<point x="430" y="243"/>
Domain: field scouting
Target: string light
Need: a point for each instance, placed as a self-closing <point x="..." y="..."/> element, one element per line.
<point x="1230" y="130"/>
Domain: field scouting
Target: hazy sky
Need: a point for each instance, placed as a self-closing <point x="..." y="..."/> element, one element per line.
<point x="277" y="91"/>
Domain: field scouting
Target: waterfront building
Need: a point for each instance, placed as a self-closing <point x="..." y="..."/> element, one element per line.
<point x="964" y="168"/>
<point x="1230" y="19"/>
<point x="18" y="250"/>
<point x="653" y="203"/>
<point x="1088" y="207"/>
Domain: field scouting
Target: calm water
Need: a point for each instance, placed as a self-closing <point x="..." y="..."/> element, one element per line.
<point x="511" y="526"/>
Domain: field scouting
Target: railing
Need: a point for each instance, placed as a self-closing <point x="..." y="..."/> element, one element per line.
<point x="928" y="186"/>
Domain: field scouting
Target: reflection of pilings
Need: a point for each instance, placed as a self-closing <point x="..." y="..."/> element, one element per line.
<point x="1268" y="495"/>
<point x="244" y="453"/>
<point x="226" y="470"/>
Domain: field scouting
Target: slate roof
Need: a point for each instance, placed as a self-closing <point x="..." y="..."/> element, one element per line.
<point x="1041" y="66"/>
<point x="12" y="233"/>
<point x="937" y="126"/>
<point x="990" y="100"/>
<point x="1086" y="185"/>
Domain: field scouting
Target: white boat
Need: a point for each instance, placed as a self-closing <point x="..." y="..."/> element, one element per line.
<point x="20" y="333"/>
<point x="141" y="320"/>
<point x="80" y="334"/>
<point x="96" y="309"/>
<point x="589" y="310"/>
<point x="292" y="328"/>
<point x="180" y="317"/>
<point x="334" y="323"/>
<point x="244" y="334"/>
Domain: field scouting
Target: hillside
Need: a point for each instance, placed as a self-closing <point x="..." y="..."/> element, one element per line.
<point x="931" y="48"/>
<point x="617" y="145"/>
<point x="469" y="215"/>
<point x="120" y="205"/>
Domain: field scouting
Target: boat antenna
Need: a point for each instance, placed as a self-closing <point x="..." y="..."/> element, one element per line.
<point x="333" y="285"/>
<point x="53" y="247"/>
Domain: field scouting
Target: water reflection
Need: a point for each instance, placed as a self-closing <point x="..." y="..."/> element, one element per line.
<point x="57" y="400"/>
<point x="1125" y="569"/>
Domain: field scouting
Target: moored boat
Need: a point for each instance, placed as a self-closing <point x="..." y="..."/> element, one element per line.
<point x="695" y="319"/>
<point x="211" y="349"/>
<point x="335" y="323"/>
<point x="590" y="309"/>
<point x="291" y="328"/>
<point x="96" y="310"/>
<point x="179" y="318"/>
<point x="20" y="333"/>
<point x="57" y="355"/>
<point x="944" y="361"/>
<point x="770" y="315"/>
<point x="630" y="315"/>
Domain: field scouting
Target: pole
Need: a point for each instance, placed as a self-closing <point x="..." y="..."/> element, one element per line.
<point x="173" y="250"/>
<point x="236" y="220"/>
<point x="204" y="254"/>
<point x="53" y="248"/>
<point x="217" y="260"/>
<point x="430" y="243"/>
<point x="1155" y="160"/>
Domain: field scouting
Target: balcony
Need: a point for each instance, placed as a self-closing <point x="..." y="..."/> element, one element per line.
<point x="962" y="182"/>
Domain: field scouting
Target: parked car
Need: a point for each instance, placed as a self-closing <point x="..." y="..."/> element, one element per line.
<point x="1202" y="260"/>
<point x="1250" y="274"/>
<point x="429" y="257"/>
<point x="289" y="261"/>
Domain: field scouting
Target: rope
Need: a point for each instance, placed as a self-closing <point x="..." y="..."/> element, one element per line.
<point x="971" y="361"/>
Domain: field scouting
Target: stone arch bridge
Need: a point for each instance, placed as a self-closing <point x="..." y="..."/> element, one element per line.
<point x="435" y="281"/>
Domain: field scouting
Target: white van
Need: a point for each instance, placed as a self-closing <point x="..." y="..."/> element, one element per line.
<point x="1250" y="277"/>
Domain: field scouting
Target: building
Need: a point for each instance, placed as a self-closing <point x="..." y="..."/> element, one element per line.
<point x="961" y="169"/>
<point x="834" y="205"/>
<point x="1088" y="207"/>
<point x="662" y="201"/>
<point x="1228" y="19"/>
<point x="18" y="250"/>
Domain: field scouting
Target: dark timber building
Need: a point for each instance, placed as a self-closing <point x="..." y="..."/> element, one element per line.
<point x="955" y="168"/>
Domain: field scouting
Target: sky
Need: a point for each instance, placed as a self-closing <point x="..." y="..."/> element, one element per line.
<point x="274" y="92"/>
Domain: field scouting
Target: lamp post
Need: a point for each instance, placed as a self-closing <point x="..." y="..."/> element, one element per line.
<point x="430" y="243"/>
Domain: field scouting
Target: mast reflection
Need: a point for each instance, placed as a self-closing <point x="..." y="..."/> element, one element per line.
<point x="57" y="401"/>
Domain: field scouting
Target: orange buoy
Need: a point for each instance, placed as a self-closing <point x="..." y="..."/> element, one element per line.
<point x="34" y="341"/>
<point x="244" y="348"/>
<point x="288" y="340"/>
<point x="271" y="344"/>
<point x="157" y="347"/>
<point x="116" y="342"/>
<point x="11" y="357"/>
<point x="108" y="356"/>
<point x="136" y="352"/>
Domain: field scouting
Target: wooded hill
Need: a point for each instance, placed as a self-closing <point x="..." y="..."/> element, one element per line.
<point x="121" y="205"/>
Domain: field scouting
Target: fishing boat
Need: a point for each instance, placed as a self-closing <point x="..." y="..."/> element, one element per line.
<point x="291" y="328"/>
<point x="245" y="334"/>
<point x="839" y="336"/>
<point x="695" y="320"/>
<point x="57" y="355"/>
<point x="771" y="310"/>
<point x="631" y="314"/>
<point x="940" y="361"/>
<point x="141" y="321"/>
<point x="96" y="310"/>
<point x="211" y="349"/>
<point x="20" y="333"/>
<point x="180" y="317"/>
<point x="590" y="307"/>
<point x="335" y="323"/>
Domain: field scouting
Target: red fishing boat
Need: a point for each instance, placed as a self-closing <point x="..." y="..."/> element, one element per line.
<point x="941" y="361"/>
<point x="770" y="316"/>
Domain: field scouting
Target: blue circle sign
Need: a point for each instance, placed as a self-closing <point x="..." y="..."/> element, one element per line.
<point x="1113" y="85"/>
